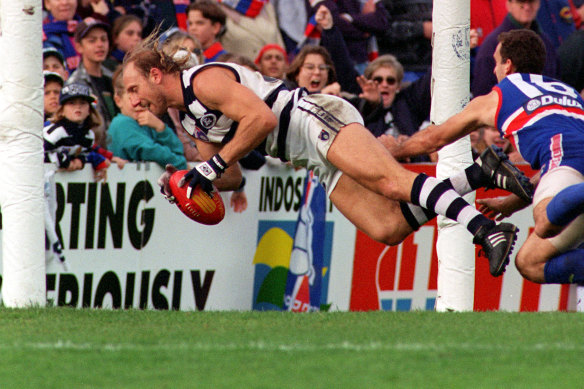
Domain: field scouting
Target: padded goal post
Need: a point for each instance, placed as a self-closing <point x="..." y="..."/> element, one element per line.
<point x="21" y="154"/>
<point x="450" y="93"/>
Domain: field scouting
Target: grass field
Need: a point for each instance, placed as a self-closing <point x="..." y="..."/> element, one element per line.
<point x="67" y="348"/>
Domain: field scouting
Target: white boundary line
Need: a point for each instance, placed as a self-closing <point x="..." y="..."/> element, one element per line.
<point x="291" y="347"/>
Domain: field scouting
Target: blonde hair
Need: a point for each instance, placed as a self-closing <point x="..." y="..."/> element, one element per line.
<point x="118" y="82"/>
<point x="150" y="54"/>
<point x="386" y="60"/>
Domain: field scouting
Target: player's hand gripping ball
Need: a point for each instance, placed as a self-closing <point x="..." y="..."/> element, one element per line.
<point x="200" y="207"/>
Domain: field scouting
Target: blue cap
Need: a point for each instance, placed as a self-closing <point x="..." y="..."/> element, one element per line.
<point x="167" y="34"/>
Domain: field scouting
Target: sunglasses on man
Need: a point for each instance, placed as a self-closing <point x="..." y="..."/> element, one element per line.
<point x="389" y="80"/>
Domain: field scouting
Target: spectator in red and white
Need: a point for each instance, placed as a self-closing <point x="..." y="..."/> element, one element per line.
<point x="250" y="25"/>
<point x="485" y="16"/>
<point x="206" y="22"/>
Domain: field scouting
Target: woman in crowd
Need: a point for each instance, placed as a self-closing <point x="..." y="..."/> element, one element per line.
<point x="313" y="69"/>
<point x="126" y="34"/>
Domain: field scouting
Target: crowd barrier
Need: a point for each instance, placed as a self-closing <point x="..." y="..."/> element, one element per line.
<point x="125" y="246"/>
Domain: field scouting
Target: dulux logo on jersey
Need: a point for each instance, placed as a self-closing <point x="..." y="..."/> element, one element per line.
<point x="544" y="100"/>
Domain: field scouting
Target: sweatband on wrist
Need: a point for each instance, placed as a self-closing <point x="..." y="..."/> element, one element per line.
<point x="241" y="185"/>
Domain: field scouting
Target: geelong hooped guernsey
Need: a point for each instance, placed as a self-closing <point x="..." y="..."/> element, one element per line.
<point x="543" y="118"/>
<point x="212" y="126"/>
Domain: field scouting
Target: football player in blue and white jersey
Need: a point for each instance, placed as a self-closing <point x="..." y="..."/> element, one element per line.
<point x="544" y="119"/>
<point x="230" y="110"/>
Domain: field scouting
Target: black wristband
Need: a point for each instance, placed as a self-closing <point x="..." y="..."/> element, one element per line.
<point x="217" y="164"/>
<point x="241" y="185"/>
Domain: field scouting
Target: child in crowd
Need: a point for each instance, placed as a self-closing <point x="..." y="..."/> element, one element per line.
<point x="206" y="22"/>
<point x="52" y="90"/>
<point x="69" y="140"/>
<point x="54" y="61"/>
<point x="53" y="84"/>
<point x="175" y="39"/>
<point x="138" y="135"/>
<point x="126" y="34"/>
<point x="92" y="42"/>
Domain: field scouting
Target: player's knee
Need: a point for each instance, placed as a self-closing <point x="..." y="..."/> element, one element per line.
<point x="545" y="229"/>
<point x="526" y="266"/>
<point x="389" y="235"/>
<point x="390" y="189"/>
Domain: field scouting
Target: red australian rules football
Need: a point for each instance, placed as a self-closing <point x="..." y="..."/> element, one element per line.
<point x="200" y="207"/>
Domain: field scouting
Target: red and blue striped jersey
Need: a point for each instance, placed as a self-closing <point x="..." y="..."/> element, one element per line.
<point x="543" y="118"/>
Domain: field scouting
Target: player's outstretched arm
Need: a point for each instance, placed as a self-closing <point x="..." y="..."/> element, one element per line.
<point x="479" y="112"/>
<point x="499" y="208"/>
<point x="217" y="89"/>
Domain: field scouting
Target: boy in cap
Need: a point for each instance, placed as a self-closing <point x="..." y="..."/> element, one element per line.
<point x="92" y="42"/>
<point x="54" y="61"/>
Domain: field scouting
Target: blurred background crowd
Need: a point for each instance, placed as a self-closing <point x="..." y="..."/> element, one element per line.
<point x="374" y="53"/>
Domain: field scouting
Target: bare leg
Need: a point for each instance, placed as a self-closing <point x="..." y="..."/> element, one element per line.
<point x="376" y="215"/>
<point x="532" y="257"/>
<point x="357" y="153"/>
<point x="543" y="227"/>
<point x="363" y="158"/>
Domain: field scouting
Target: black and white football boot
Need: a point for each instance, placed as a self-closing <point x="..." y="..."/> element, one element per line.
<point x="497" y="243"/>
<point x="501" y="173"/>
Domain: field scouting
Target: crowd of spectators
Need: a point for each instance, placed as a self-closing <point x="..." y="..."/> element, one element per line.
<point x="374" y="53"/>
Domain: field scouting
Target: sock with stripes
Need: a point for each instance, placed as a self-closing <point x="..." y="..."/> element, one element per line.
<point x="467" y="180"/>
<point x="463" y="182"/>
<point x="437" y="197"/>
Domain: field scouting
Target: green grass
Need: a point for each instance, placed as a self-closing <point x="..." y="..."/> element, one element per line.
<point x="67" y="348"/>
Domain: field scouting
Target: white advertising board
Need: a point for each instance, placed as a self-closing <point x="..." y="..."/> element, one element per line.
<point x="126" y="246"/>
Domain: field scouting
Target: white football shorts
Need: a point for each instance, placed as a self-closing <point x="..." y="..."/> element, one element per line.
<point x="314" y="124"/>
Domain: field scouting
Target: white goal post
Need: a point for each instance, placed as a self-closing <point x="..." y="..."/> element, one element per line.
<point x="21" y="154"/>
<point x="450" y="93"/>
